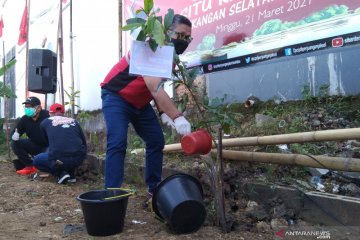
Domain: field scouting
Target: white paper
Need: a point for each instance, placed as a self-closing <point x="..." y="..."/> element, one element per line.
<point x="143" y="61"/>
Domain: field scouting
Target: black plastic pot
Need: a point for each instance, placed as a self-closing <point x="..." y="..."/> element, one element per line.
<point x="178" y="200"/>
<point x="104" y="217"/>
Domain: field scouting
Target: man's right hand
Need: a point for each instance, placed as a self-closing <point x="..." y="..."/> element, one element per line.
<point x="182" y="126"/>
<point x="16" y="135"/>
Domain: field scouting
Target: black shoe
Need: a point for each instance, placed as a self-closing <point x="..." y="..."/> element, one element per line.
<point x="63" y="178"/>
<point x="72" y="178"/>
<point x="18" y="165"/>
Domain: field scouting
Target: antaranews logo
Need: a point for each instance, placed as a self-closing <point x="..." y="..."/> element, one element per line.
<point x="293" y="234"/>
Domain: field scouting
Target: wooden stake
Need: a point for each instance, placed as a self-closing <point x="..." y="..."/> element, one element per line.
<point x="316" y="136"/>
<point x="334" y="163"/>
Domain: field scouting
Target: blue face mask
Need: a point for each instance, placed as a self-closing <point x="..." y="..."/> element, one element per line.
<point x="30" y="112"/>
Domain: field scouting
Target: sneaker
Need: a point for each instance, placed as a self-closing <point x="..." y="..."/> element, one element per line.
<point x="18" y="165"/>
<point x="27" y="171"/>
<point x="64" y="177"/>
<point x="71" y="180"/>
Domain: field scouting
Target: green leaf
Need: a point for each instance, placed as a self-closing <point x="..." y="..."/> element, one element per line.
<point x="131" y="26"/>
<point x="141" y="36"/>
<point x="150" y="25"/>
<point x="226" y="128"/>
<point x="5" y="91"/>
<point x="159" y="18"/>
<point x="153" y="45"/>
<point x="181" y="107"/>
<point x="7" y="66"/>
<point x="158" y="33"/>
<point x="232" y="120"/>
<point x="135" y="20"/>
<point x="148" y="5"/>
<point x="169" y="16"/>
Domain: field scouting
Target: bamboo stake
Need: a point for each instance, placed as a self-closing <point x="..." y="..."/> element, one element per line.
<point x="72" y="100"/>
<point x="316" y="136"/>
<point x="60" y="49"/>
<point x="5" y="107"/>
<point x="334" y="163"/>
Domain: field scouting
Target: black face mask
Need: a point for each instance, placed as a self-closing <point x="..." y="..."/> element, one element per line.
<point x="180" y="45"/>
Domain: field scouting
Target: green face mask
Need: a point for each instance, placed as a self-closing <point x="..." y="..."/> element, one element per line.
<point x="30" y="112"/>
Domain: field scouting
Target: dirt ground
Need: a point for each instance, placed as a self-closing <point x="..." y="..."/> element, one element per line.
<point x="42" y="209"/>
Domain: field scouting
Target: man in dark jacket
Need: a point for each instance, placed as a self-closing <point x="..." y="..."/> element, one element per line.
<point x="35" y="143"/>
<point x="67" y="145"/>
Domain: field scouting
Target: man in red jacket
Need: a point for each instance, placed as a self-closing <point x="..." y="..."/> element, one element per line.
<point x="126" y="99"/>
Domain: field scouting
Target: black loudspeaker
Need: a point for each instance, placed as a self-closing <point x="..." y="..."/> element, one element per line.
<point x="42" y="71"/>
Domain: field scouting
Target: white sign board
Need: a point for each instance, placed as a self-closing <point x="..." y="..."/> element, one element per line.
<point x="143" y="61"/>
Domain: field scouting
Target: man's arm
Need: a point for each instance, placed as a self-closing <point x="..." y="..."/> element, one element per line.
<point x="43" y="130"/>
<point x="162" y="99"/>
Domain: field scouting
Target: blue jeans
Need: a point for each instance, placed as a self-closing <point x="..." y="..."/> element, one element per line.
<point x="118" y="114"/>
<point x="45" y="163"/>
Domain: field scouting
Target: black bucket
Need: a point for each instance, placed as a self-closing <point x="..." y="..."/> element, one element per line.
<point x="104" y="211"/>
<point x="178" y="200"/>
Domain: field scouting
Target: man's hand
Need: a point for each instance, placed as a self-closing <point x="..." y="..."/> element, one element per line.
<point x="16" y="135"/>
<point x="182" y="125"/>
<point x="165" y="119"/>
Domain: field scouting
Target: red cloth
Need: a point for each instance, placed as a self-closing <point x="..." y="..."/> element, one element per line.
<point x="23" y="27"/>
<point x="130" y="87"/>
<point x="1" y="26"/>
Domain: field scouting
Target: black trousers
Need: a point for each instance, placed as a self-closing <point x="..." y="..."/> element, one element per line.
<point x="24" y="149"/>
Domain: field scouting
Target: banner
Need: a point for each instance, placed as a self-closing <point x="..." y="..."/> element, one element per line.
<point x="227" y="29"/>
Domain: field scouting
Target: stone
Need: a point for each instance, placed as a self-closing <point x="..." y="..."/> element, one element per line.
<point x="278" y="223"/>
<point x="262" y="227"/>
<point x="262" y="120"/>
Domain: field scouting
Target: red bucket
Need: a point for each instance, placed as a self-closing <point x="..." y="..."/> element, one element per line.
<point x="199" y="142"/>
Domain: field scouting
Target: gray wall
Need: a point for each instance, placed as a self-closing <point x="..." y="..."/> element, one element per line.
<point x="284" y="78"/>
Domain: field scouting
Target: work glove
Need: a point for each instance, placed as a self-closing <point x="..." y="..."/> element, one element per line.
<point x="16" y="135"/>
<point x="182" y="126"/>
<point x="165" y="119"/>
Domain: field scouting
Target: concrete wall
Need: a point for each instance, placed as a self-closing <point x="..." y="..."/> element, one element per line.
<point x="285" y="77"/>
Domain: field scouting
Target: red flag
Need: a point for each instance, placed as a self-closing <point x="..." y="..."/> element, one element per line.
<point x="64" y="1"/>
<point x="1" y="26"/>
<point x="23" y="27"/>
